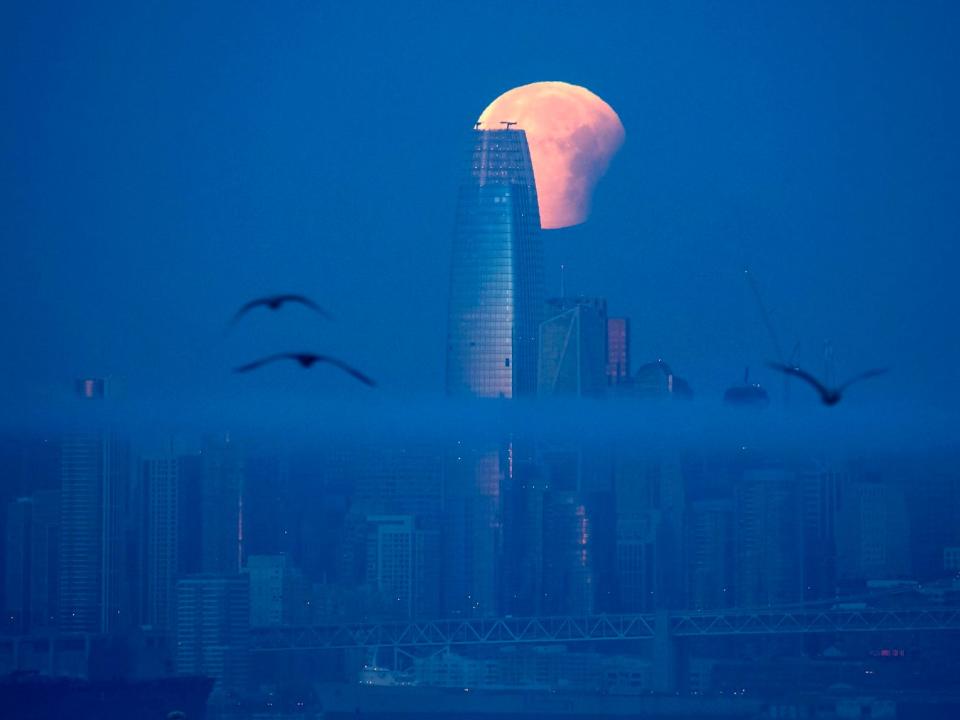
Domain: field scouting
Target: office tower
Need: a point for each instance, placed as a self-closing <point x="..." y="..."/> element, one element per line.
<point x="568" y="582"/>
<point x="221" y="500"/>
<point x="94" y="511"/>
<point x="161" y="477"/>
<point x="269" y="510"/>
<point x="768" y="538"/>
<point x="931" y="490"/>
<point x="577" y="528"/>
<point x="475" y="475"/>
<point x="405" y="478"/>
<point x="709" y="554"/>
<point x="17" y="566"/>
<point x="873" y="530"/>
<point x="400" y="565"/>
<point x="618" y="350"/>
<point x="496" y="279"/>
<point x="819" y="491"/>
<point x="95" y="519"/>
<point x="44" y="558"/>
<point x="495" y="309"/>
<point x="649" y="504"/>
<point x="31" y="554"/>
<point x="279" y="592"/>
<point x="951" y="561"/>
<point x="213" y="630"/>
<point x="573" y="348"/>
<point x="190" y="514"/>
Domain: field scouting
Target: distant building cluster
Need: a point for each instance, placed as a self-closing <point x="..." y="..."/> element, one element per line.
<point x="186" y="553"/>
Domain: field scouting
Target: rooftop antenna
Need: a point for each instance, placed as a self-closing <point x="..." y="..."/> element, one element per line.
<point x="508" y="123"/>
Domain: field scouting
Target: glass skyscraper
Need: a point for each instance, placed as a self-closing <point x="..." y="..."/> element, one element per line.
<point x="573" y="348"/>
<point x="496" y="281"/>
<point x="495" y="308"/>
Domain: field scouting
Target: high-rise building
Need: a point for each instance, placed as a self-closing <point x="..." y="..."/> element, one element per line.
<point x="95" y="519"/>
<point x="573" y="348"/>
<point x="269" y="508"/>
<point x="213" y="630"/>
<point x="94" y="512"/>
<point x="279" y="592"/>
<point x="17" y="563"/>
<point x="819" y="488"/>
<point x="496" y="278"/>
<point x="190" y="514"/>
<point x="400" y="567"/>
<point x="401" y="479"/>
<point x="476" y="477"/>
<point x="709" y="554"/>
<point x="618" y="350"/>
<point x="568" y="562"/>
<point x="768" y="538"/>
<point x="494" y="314"/>
<point x="95" y="523"/>
<point x="650" y="508"/>
<point x="873" y="530"/>
<point x="577" y="527"/>
<point x="31" y="554"/>
<point x="161" y="478"/>
<point x="221" y="499"/>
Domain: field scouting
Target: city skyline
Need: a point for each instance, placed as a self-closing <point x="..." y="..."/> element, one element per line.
<point x="559" y="428"/>
<point x="685" y="206"/>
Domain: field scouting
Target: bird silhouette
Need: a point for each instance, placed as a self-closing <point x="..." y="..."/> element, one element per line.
<point x="274" y="302"/>
<point x="828" y="396"/>
<point x="306" y="360"/>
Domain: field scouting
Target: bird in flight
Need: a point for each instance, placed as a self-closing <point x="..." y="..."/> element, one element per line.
<point x="828" y="396"/>
<point x="306" y="360"/>
<point x="274" y="302"/>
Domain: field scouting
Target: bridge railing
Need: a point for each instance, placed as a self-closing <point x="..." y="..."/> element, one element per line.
<point x="593" y="628"/>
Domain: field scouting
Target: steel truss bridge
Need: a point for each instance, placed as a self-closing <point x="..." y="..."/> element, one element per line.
<point x="595" y="628"/>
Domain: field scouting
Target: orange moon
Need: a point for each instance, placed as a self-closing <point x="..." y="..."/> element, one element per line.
<point x="572" y="133"/>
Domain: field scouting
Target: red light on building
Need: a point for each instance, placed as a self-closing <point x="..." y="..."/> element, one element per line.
<point x="90" y="388"/>
<point x="891" y="652"/>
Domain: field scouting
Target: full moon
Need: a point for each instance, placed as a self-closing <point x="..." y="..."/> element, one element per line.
<point x="572" y="134"/>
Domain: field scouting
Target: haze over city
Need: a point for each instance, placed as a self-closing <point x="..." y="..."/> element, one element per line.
<point x="452" y="360"/>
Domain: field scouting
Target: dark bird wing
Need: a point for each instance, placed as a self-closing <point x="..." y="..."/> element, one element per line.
<point x="264" y="361"/>
<point x="863" y="376"/>
<point x="803" y="375"/>
<point x="303" y="300"/>
<point x="306" y="360"/>
<point x="247" y="307"/>
<point x="365" y="379"/>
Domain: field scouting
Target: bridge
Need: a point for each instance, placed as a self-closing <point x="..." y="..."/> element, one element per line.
<point x="410" y="635"/>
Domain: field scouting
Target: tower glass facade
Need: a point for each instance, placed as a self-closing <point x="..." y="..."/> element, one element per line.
<point x="496" y="280"/>
<point x="573" y="348"/>
<point x="94" y="489"/>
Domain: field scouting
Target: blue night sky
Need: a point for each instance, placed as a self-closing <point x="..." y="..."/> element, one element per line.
<point x="160" y="163"/>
